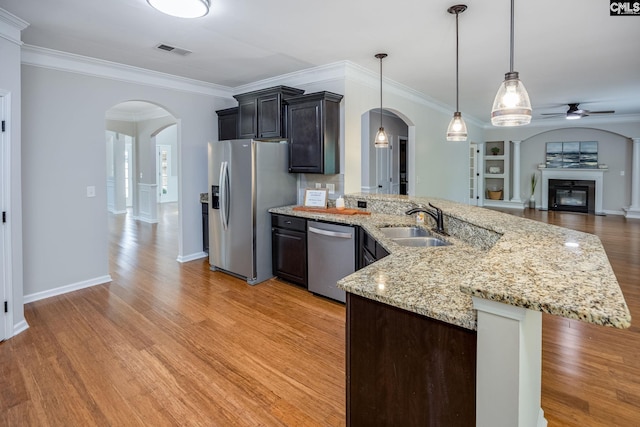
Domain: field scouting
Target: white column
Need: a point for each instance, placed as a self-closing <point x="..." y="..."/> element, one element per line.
<point x="516" y="172"/>
<point x="509" y="366"/>
<point x="634" y="210"/>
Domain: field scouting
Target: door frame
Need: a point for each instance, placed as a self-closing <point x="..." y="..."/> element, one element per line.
<point x="6" y="282"/>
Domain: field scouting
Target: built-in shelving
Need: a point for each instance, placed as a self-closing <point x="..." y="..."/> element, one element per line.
<point x="496" y="175"/>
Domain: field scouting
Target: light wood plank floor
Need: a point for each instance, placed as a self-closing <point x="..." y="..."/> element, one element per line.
<point x="175" y="344"/>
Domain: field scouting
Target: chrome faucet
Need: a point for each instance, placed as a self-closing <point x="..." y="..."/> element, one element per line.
<point x="436" y="215"/>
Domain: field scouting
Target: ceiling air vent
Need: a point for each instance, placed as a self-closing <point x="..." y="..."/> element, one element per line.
<point x="173" y="49"/>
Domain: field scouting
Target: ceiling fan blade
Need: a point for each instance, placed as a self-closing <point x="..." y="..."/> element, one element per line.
<point x="553" y="114"/>
<point x="601" y="112"/>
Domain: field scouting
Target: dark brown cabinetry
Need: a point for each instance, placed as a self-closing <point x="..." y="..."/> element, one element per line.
<point x="404" y="369"/>
<point x="369" y="250"/>
<point x="313" y="130"/>
<point x="261" y="114"/>
<point x="289" y="248"/>
<point x="227" y="124"/>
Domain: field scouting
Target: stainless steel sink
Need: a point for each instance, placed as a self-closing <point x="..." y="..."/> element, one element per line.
<point x="412" y="236"/>
<point x="425" y="241"/>
<point x="403" y="232"/>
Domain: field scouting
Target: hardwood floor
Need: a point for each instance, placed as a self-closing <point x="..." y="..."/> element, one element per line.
<point x="176" y="344"/>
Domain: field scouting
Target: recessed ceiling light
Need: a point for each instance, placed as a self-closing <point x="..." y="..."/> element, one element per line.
<point x="182" y="8"/>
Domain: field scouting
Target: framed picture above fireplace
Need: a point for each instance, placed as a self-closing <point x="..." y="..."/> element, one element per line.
<point x="572" y="154"/>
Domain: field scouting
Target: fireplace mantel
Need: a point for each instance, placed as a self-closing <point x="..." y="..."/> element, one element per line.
<point x="596" y="175"/>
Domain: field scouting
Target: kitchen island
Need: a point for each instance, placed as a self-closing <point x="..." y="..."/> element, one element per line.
<point x="495" y="279"/>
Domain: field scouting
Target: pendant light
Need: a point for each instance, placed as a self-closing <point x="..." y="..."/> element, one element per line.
<point x="457" y="130"/>
<point x="381" y="141"/>
<point x="182" y="8"/>
<point x="511" y="107"/>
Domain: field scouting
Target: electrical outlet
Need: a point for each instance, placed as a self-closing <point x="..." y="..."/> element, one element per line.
<point x="362" y="204"/>
<point x="91" y="191"/>
<point x="331" y="188"/>
<point x="318" y="185"/>
<point x="621" y="173"/>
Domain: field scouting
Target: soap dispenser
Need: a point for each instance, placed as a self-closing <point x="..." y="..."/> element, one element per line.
<point x="340" y="203"/>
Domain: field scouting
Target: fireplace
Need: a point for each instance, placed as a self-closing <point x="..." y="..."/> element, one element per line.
<point x="572" y="195"/>
<point x="577" y="175"/>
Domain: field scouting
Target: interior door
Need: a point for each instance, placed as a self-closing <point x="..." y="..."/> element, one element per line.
<point x="474" y="173"/>
<point x="383" y="169"/>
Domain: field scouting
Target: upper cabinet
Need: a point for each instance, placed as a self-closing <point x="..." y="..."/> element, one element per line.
<point x="313" y="130"/>
<point x="227" y="124"/>
<point x="261" y="114"/>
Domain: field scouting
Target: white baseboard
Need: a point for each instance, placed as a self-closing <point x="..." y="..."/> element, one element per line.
<point x="612" y="212"/>
<point x="147" y="220"/>
<point x="67" y="288"/>
<point x="20" y="327"/>
<point x="115" y="212"/>
<point x="192" y="257"/>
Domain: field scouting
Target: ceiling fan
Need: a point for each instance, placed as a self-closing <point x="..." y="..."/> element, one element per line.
<point x="574" y="113"/>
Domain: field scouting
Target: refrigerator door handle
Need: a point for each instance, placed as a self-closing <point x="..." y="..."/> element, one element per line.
<point x="224" y="194"/>
<point x="330" y="233"/>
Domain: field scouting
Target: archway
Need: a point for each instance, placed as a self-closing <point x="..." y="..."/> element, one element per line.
<point x="387" y="170"/>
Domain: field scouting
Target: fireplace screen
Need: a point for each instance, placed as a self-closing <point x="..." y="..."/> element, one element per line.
<point x="572" y="195"/>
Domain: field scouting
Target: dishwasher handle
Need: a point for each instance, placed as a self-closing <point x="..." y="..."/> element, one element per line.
<point x="330" y="233"/>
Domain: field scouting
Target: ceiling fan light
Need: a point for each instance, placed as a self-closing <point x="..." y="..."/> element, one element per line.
<point x="572" y="116"/>
<point x="181" y="8"/>
<point x="382" y="140"/>
<point x="457" y="130"/>
<point x="511" y="106"/>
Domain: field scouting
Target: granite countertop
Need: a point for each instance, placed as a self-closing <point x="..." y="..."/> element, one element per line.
<point x="493" y="255"/>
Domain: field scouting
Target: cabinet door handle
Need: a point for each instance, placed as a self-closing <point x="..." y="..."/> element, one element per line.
<point x="330" y="233"/>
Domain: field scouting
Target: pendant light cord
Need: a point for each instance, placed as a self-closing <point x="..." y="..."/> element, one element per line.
<point x="511" y="41"/>
<point x="381" y="90"/>
<point x="457" y="56"/>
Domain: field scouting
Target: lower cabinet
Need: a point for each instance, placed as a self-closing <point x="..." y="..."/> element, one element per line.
<point x="369" y="250"/>
<point x="405" y="369"/>
<point x="289" y="248"/>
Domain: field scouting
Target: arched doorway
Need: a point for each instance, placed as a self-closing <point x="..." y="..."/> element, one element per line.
<point x="142" y="168"/>
<point x="386" y="170"/>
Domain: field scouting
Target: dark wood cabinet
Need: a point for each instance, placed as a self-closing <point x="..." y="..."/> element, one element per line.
<point x="289" y="248"/>
<point x="227" y="124"/>
<point x="369" y="250"/>
<point x="405" y="369"/>
<point x="313" y="130"/>
<point x="261" y="113"/>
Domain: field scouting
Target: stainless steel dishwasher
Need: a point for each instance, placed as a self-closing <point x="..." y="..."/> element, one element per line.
<point x="331" y="255"/>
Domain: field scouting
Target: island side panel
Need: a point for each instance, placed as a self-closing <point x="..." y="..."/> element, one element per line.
<point x="407" y="369"/>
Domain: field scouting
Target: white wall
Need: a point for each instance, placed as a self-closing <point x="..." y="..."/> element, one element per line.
<point x="10" y="88"/>
<point x="65" y="236"/>
<point x="441" y="168"/>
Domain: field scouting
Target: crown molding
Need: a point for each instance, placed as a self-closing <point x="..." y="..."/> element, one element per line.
<point x="561" y="122"/>
<point x="11" y="27"/>
<point x="321" y="74"/>
<point x="63" y="61"/>
<point x="366" y="77"/>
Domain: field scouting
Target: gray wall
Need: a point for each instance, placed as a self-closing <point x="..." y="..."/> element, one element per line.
<point x="65" y="233"/>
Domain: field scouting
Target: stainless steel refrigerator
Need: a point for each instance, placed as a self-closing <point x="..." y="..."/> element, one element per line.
<point x="246" y="178"/>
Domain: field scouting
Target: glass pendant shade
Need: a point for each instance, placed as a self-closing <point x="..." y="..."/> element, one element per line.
<point x="182" y="8"/>
<point x="512" y="106"/>
<point x="381" y="141"/>
<point x="457" y="130"/>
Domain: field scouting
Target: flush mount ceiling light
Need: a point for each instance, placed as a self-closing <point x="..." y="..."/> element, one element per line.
<point x="182" y="8"/>
<point x="457" y="130"/>
<point x="511" y="107"/>
<point x="381" y="141"/>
